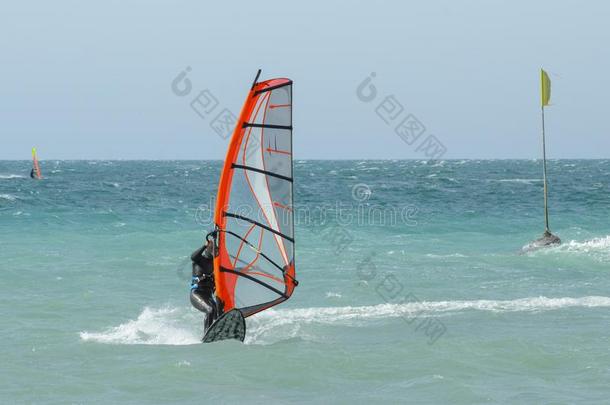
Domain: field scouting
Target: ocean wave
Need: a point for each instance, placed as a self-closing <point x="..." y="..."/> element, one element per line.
<point x="11" y="176"/>
<point x="163" y="326"/>
<point x="589" y="245"/>
<point x="8" y="197"/>
<point x="432" y="255"/>
<point x="181" y="326"/>
<point x="275" y="325"/>
<point x="338" y="314"/>
<point x="523" y="181"/>
<point x="598" y="248"/>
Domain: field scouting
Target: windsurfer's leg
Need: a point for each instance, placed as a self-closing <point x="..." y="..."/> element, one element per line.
<point x="209" y="320"/>
<point x="201" y="302"/>
<point x="211" y="299"/>
<point x="204" y="303"/>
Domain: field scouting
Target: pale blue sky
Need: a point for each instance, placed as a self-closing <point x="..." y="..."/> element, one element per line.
<point x="84" y="80"/>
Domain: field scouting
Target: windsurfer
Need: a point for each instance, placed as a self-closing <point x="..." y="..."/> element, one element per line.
<point x="33" y="174"/>
<point x="202" y="283"/>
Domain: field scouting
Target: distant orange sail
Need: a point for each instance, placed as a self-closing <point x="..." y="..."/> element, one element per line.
<point x="254" y="218"/>
<point x="36" y="166"/>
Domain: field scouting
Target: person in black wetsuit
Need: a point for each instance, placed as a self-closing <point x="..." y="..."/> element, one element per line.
<point x="202" y="283"/>
<point x="33" y="174"/>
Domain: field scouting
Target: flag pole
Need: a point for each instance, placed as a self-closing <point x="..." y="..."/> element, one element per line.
<point x="546" y="206"/>
<point x="547" y="238"/>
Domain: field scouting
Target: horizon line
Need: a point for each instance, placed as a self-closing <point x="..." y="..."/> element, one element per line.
<point x="296" y="160"/>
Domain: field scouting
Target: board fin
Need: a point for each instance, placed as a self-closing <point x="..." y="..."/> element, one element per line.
<point x="230" y="325"/>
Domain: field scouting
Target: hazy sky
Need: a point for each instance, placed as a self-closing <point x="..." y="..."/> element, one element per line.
<point x="83" y="80"/>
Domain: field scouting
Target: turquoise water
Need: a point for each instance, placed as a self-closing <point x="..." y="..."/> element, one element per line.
<point x="413" y="287"/>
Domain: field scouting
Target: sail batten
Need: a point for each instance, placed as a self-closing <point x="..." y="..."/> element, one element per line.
<point x="279" y="176"/>
<point x="255" y="267"/>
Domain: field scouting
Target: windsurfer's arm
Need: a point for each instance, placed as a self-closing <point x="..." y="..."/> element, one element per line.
<point x="197" y="254"/>
<point x="206" y="252"/>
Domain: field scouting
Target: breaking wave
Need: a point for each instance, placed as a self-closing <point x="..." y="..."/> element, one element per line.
<point x="183" y="326"/>
<point x="594" y="244"/>
<point x="8" y="197"/>
<point x="521" y="181"/>
<point x="163" y="326"/>
<point x="598" y="248"/>
<point x="11" y="176"/>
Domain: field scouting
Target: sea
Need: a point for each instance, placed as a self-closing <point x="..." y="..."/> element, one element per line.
<point x="414" y="287"/>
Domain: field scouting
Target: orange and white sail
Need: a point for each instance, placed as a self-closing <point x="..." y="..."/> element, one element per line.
<point x="35" y="165"/>
<point x="255" y="267"/>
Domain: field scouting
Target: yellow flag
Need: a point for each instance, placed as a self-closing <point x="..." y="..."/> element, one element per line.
<point x="545" y="87"/>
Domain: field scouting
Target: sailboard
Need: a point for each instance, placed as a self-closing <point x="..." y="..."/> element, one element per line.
<point x="230" y="325"/>
<point x="35" y="172"/>
<point x="254" y="269"/>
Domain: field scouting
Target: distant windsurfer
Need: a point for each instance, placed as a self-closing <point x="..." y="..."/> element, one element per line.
<point x="202" y="283"/>
<point x="33" y="174"/>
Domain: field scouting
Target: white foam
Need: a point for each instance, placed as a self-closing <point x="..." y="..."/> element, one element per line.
<point x="8" y="197"/>
<point x="337" y="314"/>
<point x="164" y="326"/>
<point x="598" y="248"/>
<point x="274" y="325"/>
<point x="432" y="255"/>
<point x="11" y="176"/>
<point x="589" y="245"/>
<point x="523" y="181"/>
<point x="180" y="326"/>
